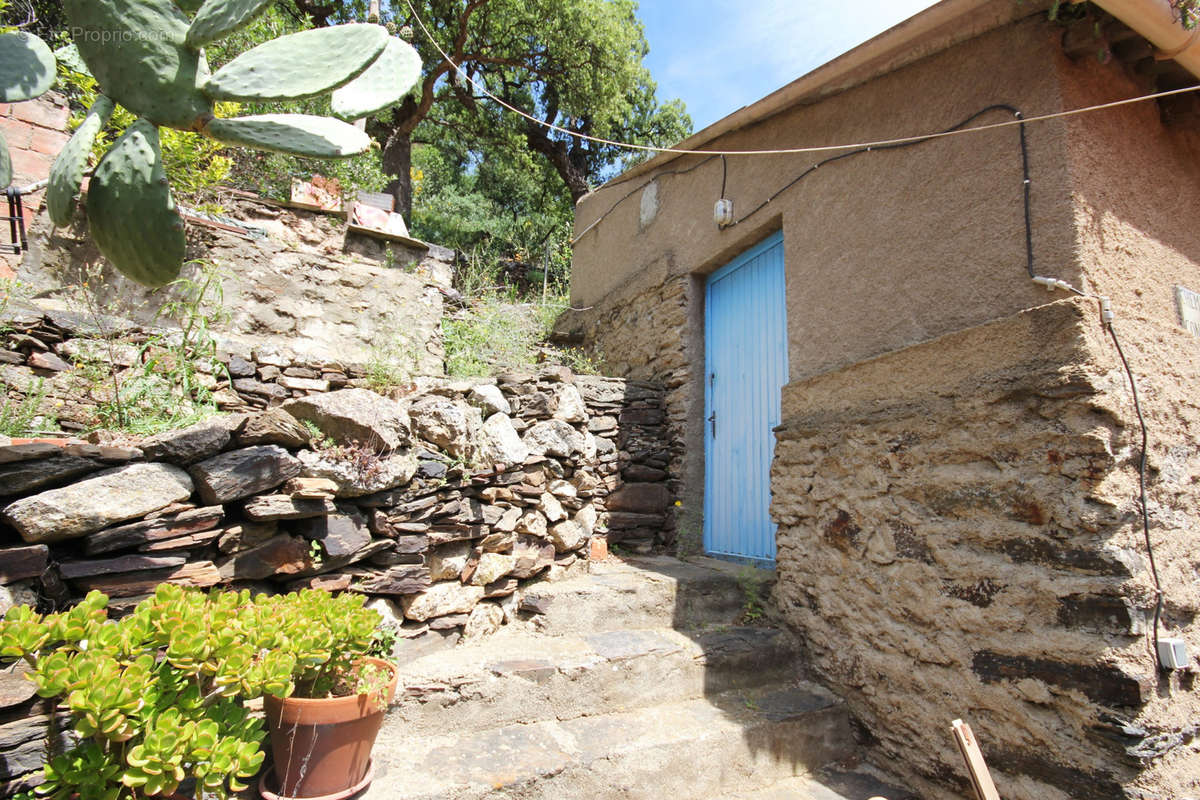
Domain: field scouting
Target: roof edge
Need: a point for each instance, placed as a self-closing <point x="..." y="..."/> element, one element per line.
<point x="931" y="31"/>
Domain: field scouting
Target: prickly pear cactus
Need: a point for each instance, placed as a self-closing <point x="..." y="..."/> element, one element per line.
<point x="147" y="56"/>
<point x="27" y="69"/>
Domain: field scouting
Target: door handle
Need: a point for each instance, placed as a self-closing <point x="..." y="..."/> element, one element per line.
<point x="713" y="419"/>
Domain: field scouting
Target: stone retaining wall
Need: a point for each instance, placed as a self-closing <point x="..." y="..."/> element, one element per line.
<point x="644" y="337"/>
<point x="959" y="536"/>
<point x="441" y="506"/>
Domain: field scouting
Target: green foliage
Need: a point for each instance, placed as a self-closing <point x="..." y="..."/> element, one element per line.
<point x="491" y="336"/>
<point x="145" y="56"/>
<point x="160" y="696"/>
<point x="22" y="418"/>
<point x="752" y="581"/>
<point x="171" y="386"/>
<point x="196" y="166"/>
<point x="392" y="363"/>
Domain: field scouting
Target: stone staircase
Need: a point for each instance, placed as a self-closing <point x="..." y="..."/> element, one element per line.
<point x="634" y="681"/>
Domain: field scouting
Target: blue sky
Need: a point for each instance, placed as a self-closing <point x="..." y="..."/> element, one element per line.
<point x="719" y="55"/>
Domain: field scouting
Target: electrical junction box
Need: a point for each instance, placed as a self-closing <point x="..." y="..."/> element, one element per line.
<point x="1188" y="303"/>
<point x="723" y="212"/>
<point x="1173" y="654"/>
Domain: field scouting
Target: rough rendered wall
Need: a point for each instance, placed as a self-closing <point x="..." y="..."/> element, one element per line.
<point x="959" y="538"/>
<point x="883" y="250"/>
<point x="1134" y="182"/>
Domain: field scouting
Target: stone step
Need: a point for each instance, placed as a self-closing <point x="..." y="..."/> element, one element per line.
<point x="695" y="748"/>
<point x="831" y="783"/>
<point x="517" y="676"/>
<point x="643" y="593"/>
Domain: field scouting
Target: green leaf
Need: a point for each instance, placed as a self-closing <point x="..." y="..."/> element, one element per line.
<point x="219" y="18"/>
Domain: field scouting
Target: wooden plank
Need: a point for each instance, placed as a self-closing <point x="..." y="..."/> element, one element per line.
<point x="981" y="779"/>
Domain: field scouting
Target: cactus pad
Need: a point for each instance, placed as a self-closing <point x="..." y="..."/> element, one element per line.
<point x="382" y="85"/>
<point x="130" y="211"/>
<point x="299" y="65"/>
<point x="68" y="56"/>
<point x="218" y="18"/>
<point x="27" y="67"/>
<point x="190" y="6"/>
<point x="298" y="134"/>
<point x="6" y="175"/>
<point x="136" y="50"/>
<point x="66" y="175"/>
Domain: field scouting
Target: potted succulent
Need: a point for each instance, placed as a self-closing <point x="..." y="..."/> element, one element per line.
<point x="323" y="729"/>
<point x="155" y="698"/>
<point x="160" y="697"/>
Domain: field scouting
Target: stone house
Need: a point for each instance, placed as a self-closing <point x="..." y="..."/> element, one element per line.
<point x="940" y="455"/>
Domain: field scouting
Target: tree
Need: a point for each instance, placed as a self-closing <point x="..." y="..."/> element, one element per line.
<point x="576" y="64"/>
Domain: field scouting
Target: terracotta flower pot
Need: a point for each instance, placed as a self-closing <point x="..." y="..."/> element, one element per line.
<point x="322" y="747"/>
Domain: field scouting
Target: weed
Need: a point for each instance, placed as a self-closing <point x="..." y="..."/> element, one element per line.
<point x="490" y="336"/>
<point x="752" y="583"/>
<point x="383" y="644"/>
<point x="317" y="439"/>
<point x="20" y="418"/>
<point x="392" y="364"/>
<point x="316" y="551"/>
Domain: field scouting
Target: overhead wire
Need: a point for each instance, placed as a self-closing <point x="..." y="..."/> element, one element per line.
<point x="859" y="148"/>
<point x="778" y="151"/>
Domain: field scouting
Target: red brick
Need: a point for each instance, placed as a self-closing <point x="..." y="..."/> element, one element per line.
<point x="6" y="109"/>
<point x="29" y="166"/>
<point x="6" y="269"/>
<point x="18" y="134"/>
<point x="48" y="142"/>
<point x="598" y="550"/>
<point x="42" y="112"/>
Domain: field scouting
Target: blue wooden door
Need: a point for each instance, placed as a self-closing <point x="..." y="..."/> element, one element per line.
<point x="746" y="366"/>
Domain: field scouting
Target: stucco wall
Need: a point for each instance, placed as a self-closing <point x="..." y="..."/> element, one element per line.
<point x="956" y="475"/>
<point x="885" y="249"/>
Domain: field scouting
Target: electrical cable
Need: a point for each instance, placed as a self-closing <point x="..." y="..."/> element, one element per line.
<point x="1137" y="407"/>
<point x="637" y="189"/>
<point x="785" y="151"/>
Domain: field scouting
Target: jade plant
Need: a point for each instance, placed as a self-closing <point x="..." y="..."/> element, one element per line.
<point x="159" y="696"/>
<point x="27" y="69"/>
<point x="148" y="56"/>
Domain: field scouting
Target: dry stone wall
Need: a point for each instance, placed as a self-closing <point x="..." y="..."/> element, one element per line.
<point x="441" y="506"/>
<point x="959" y="536"/>
<point x="643" y="338"/>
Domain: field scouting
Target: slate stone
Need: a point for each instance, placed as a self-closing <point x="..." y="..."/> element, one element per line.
<point x="21" y="563"/>
<point x="1101" y="613"/>
<point x="399" y="580"/>
<point x="48" y="362"/>
<point x="431" y="469"/>
<point x="499" y="442"/>
<point x="28" y="476"/>
<point x="532" y="556"/>
<point x="484" y="620"/>
<point x="490" y="399"/>
<point x="191" y="444"/>
<point x="240" y="368"/>
<point x="355" y="415"/>
<point x="492" y="567"/>
<point x="271" y="391"/>
<point x="107" y="566"/>
<point x="449" y="424"/>
<point x="1105" y="684"/>
<point x="281" y="555"/>
<point x="274" y="426"/>
<point x="199" y="574"/>
<point x="167" y="527"/>
<point x="340" y="534"/>
<point x="441" y="599"/>
<point x="567" y="536"/>
<point x="15" y="688"/>
<point x="375" y="473"/>
<point x="108" y="497"/>
<point x="241" y="473"/>
<point x="14" y="453"/>
<point x="639" y="473"/>
<point x="640" y="498"/>
<point x="269" y="507"/>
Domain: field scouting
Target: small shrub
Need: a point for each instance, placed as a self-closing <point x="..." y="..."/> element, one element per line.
<point x="20" y="417"/>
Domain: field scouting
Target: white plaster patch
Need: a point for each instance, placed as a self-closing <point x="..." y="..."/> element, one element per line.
<point x="649" y="205"/>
